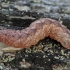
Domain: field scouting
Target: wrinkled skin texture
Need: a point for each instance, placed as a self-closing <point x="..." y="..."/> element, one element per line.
<point x="37" y="31"/>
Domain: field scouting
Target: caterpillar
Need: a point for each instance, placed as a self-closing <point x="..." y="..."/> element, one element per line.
<point x="38" y="30"/>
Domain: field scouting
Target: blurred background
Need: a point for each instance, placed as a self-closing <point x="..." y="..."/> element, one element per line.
<point x="12" y="10"/>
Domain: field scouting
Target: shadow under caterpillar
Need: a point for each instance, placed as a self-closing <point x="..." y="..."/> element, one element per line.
<point x="37" y="31"/>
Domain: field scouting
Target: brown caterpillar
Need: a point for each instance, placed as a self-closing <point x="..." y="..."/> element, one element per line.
<point x="37" y="31"/>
